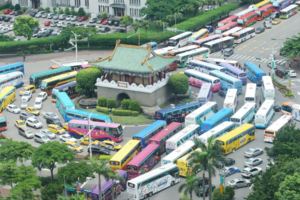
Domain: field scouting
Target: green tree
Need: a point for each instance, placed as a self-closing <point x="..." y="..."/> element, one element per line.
<point x="207" y="160"/>
<point x="158" y="10"/>
<point x="228" y="194"/>
<point x="178" y="83"/>
<point x="289" y="189"/>
<point x="73" y="12"/>
<point x="13" y="150"/>
<point x="81" y="12"/>
<point x="24" y="26"/>
<point x="54" y="9"/>
<point x="67" y="11"/>
<point x="190" y="185"/>
<point x="17" y="7"/>
<point x="103" y="15"/>
<point x="86" y="80"/>
<point x="291" y="47"/>
<point x="52" y="190"/>
<point x="126" y="21"/>
<point x="8" y="173"/>
<point x="47" y="9"/>
<point x="60" y="10"/>
<point x="48" y="154"/>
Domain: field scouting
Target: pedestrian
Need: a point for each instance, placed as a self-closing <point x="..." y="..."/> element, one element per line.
<point x="24" y="57"/>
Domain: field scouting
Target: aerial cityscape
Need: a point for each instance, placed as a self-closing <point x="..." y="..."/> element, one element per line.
<point x="149" y="99"/>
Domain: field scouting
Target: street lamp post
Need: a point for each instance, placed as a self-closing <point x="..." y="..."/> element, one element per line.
<point x="74" y="45"/>
<point x="90" y="136"/>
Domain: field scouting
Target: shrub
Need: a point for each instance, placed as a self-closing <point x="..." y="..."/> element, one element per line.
<point x="111" y="103"/>
<point x="178" y="83"/>
<point x="102" y="101"/>
<point x="103" y="109"/>
<point x="121" y="112"/>
<point x="125" y="104"/>
<point x="105" y="157"/>
<point x="134" y="105"/>
<point x="86" y="80"/>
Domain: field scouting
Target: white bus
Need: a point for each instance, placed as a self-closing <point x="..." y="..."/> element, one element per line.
<point x="296" y="112"/>
<point x="183" y="57"/>
<point x="288" y="11"/>
<point x="217" y="131"/>
<point x="264" y="114"/>
<point x="189" y="132"/>
<point x="243" y="35"/>
<point x="217" y="61"/>
<point x="250" y="93"/>
<point x="205" y="93"/>
<point x="178" y="153"/>
<point x="275" y="127"/>
<point x="201" y="114"/>
<point x="179" y="40"/>
<point x="230" y="100"/>
<point x="244" y="115"/>
<point x="153" y="181"/>
<point x="163" y="51"/>
<point x="219" y="44"/>
<point x="268" y="87"/>
<point x="11" y="79"/>
<point x="203" y="32"/>
<point x="231" y="31"/>
<point x="180" y="50"/>
<point x="204" y="66"/>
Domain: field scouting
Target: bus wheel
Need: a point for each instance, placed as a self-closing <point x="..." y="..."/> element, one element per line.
<point x="150" y="194"/>
<point x="172" y="183"/>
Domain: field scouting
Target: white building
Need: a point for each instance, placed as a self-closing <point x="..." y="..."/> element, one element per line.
<point x="112" y="7"/>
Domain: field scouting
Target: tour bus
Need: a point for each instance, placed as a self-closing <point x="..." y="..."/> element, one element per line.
<point x="179" y="152"/>
<point x="63" y="102"/>
<point x="236" y="138"/>
<point x="262" y="3"/>
<point x="180" y="50"/>
<point x="183" y="164"/>
<point x="3" y="123"/>
<point x="209" y="38"/>
<point x="296" y="112"/>
<point x="268" y="87"/>
<point x="153" y="182"/>
<point x="204" y="66"/>
<point x="245" y="11"/>
<point x="217" y="118"/>
<point x="179" y="40"/>
<point x="248" y="19"/>
<point x="219" y="44"/>
<point x="7" y="96"/>
<point x="76" y="65"/>
<point x="83" y="114"/>
<point x="219" y="61"/>
<point x="235" y="72"/>
<point x="36" y="78"/>
<point x="205" y="93"/>
<point x="288" y="11"/>
<point x="185" y="56"/>
<point x="11" y="79"/>
<point x="264" y="114"/>
<point x="275" y="127"/>
<point x="230" y="100"/>
<point x="250" y="93"/>
<point x="265" y="11"/>
<point x="48" y="84"/>
<point x="124" y="155"/>
<point x="226" y="27"/>
<point x="152" y="44"/>
<point x="245" y="114"/>
<point x="243" y="35"/>
<point x="144" y="161"/>
<point x="231" y="31"/>
<point x="98" y="130"/>
<point x="227" y="20"/>
<point x="161" y="137"/>
<point x="14" y="67"/>
<point x="254" y="73"/>
<point x="145" y="134"/>
<point x="69" y="88"/>
<point x="163" y="51"/>
<point x="201" y="114"/>
<point x="195" y="74"/>
<point x="182" y="136"/>
<point x="227" y="81"/>
<point x="281" y="4"/>
<point x="176" y="113"/>
<point x="202" y="33"/>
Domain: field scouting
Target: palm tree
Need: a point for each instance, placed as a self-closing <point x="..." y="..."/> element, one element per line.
<point x="191" y="184"/>
<point x="101" y="168"/>
<point x="207" y="160"/>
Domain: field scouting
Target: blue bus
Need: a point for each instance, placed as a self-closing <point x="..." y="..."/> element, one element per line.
<point x="219" y="117"/>
<point x="18" y="66"/>
<point x="227" y="81"/>
<point x="63" y="102"/>
<point x="254" y="73"/>
<point x="69" y="88"/>
<point x="176" y="113"/>
<point x="145" y="134"/>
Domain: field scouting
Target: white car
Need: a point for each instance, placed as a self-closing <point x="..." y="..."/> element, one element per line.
<point x="250" y="172"/>
<point x="253" y="152"/>
<point x="24" y="104"/>
<point x="42" y="96"/>
<point x="67" y="137"/>
<point x="48" y="133"/>
<point x="27" y="95"/>
<point x="38" y="104"/>
<point x="13" y="108"/>
<point x="292" y="74"/>
<point x="34" y="122"/>
<point x="251" y="162"/>
<point x="239" y="183"/>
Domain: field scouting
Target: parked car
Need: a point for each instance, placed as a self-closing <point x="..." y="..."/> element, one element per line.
<point x="7" y="18"/>
<point x="50" y="15"/>
<point x="230" y="170"/>
<point x="24" y="103"/>
<point x="239" y="183"/>
<point x="99" y="150"/>
<point x="50" y="115"/>
<point x="281" y="72"/>
<point x="25" y="115"/>
<point x="73" y="18"/>
<point x="93" y="20"/>
<point x="67" y="138"/>
<point x="42" y="96"/>
<point x="277" y="108"/>
<point x="82" y="18"/>
<point x="226" y="162"/>
<point x="253" y="152"/>
<point x="20" y="123"/>
<point x="104" y="21"/>
<point x="251" y="162"/>
<point x="56" y="129"/>
<point x="259" y="30"/>
<point x="13" y="109"/>
<point x="48" y="133"/>
<point x="26" y="96"/>
<point x="199" y="191"/>
<point x="276" y="21"/>
<point x="38" y="104"/>
<point x="26" y="133"/>
<point x="267" y="24"/>
<point x="41" y="138"/>
<point x="34" y="122"/>
<point x="292" y="73"/>
<point x="47" y="23"/>
<point x="76" y="148"/>
<point x="250" y="172"/>
<point x="7" y="11"/>
<point x="62" y="17"/>
<point x="55" y="17"/>
<point x="33" y="110"/>
<point x="228" y="52"/>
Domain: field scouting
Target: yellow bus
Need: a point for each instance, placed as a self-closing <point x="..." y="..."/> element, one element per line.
<point x="48" y="84"/>
<point x="262" y="3"/>
<point x="236" y="138"/>
<point x="183" y="164"/>
<point x="125" y="154"/>
<point x="7" y="96"/>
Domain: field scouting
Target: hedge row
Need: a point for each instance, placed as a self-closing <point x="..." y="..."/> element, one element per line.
<point x="118" y="112"/>
<point x="103" y="109"/>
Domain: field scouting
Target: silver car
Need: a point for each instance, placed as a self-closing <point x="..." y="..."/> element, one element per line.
<point x="34" y="122"/>
<point x="239" y="183"/>
<point x="253" y="152"/>
<point x="250" y="172"/>
<point x="251" y="162"/>
<point x="13" y="108"/>
<point x="48" y="133"/>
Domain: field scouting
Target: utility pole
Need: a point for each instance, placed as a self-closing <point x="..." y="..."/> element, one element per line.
<point x="73" y="42"/>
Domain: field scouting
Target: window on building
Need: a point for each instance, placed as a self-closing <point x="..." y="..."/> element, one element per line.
<point x="134" y="12"/>
<point x="77" y="3"/>
<point x="87" y="3"/>
<point x="135" y="2"/>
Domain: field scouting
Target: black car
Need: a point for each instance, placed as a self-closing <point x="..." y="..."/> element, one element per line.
<point x="277" y="108"/>
<point x="99" y="150"/>
<point x="54" y="121"/>
<point x="259" y="30"/>
<point x="25" y="115"/>
<point x="226" y="163"/>
<point x="6" y="18"/>
<point x="1" y="18"/>
<point x="199" y="191"/>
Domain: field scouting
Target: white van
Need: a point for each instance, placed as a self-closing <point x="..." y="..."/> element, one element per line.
<point x="41" y="138"/>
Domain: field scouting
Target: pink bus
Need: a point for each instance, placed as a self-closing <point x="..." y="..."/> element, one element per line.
<point x="226" y="27"/>
<point x="227" y="20"/>
<point x="99" y="130"/>
<point x="143" y="161"/>
<point x="161" y="137"/>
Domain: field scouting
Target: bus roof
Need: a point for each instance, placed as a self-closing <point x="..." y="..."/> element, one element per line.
<point x="179" y="107"/>
<point x="71" y="64"/>
<point x="224" y="126"/>
<point x="201" y="74"/>
<point x="91" y="114"/>
<point x="243" y="12"/>
<point x="94" y="123"/>
<point x="163" y="51"/>
<point x="179" y="152"/>
<point x="207" y="39"/>
<point x="141" y="156"/>
<point x="267" y="82"/>
<point x="11" y="65"/>
<point x="58" y="77"/>
<point x="265" y="107"/>
<point x="5" y="90"/>
<point x="279" y="123"/>
<point x="221" y="61"/>
<point x="184" y="34"/>
<point x="219" y="40"/>
<point x="254" y="68"/>
<point x="193" y="52"/>
<point x="164" y="132"/>
<point x="183" y="49"/>
<point x="209" y="65"/>
<point x="203" y="108"/>
<point x="232" y="68"/>
<point x="50" y="71"/>
<point x="10" y="75"/>
<point x="243" y="110"/>
<point x="198" y="33"/>
<point x="222" y="75"/>
<point x="215" y="118"/>
<point x="265" y="7"/>
<point x="289" y="8"/>
<point x="125" y="150"/>
<point x="228" y="19"/>
<point x="231" y="134"/>
<point x="69" y="84"/>
<point x="230" y="95"/>
<point x="204" y="90"/>
<point x="149" y="129"/>
<point x="262" y="3"/>
<point x="244" y="30"/>
<point x="231" y="31"/>
<point x="65" y="100"/>
<point x="178" y="136"/>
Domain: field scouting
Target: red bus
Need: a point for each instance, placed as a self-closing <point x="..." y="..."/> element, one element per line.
<point x="3" y="123"/>
<point x="226" y="27"/>
<point x="227" y="20"/>
<point x="265" y="11"/>
<point x="248" y="19"/>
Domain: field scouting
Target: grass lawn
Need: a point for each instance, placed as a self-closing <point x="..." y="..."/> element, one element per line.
<point x="132" y="120"/>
